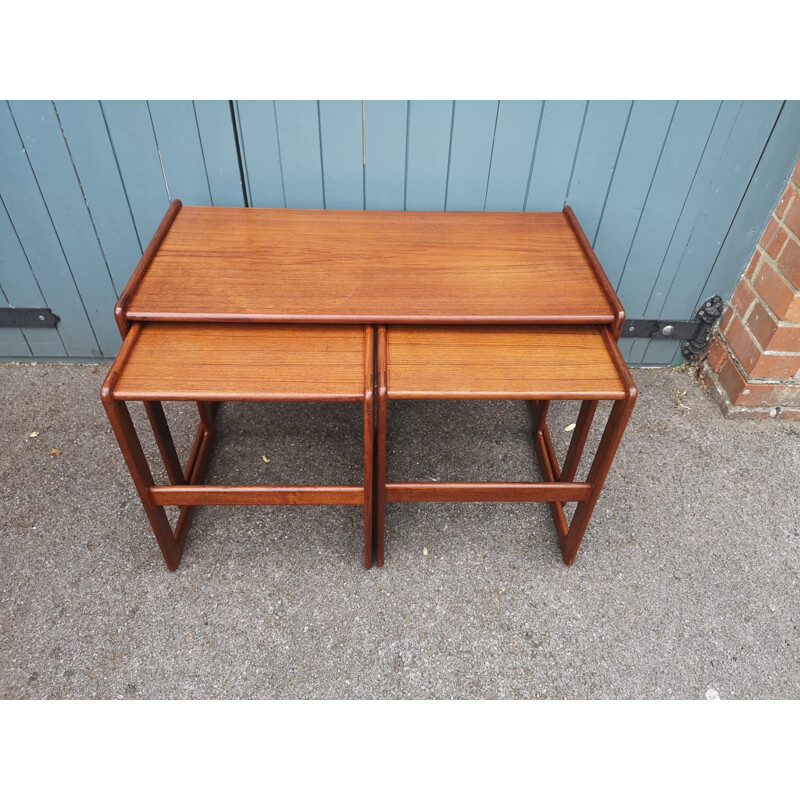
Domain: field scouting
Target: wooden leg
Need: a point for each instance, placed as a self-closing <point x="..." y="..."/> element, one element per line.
<point x="196" y="465"/>
<point x="545" y="464"/>
<point x="131" y="447"/>
<point x="578" y="441"/>
<point x="612" y="435"/>
<point x="541" y="435"/>
<point x="380" y="452"/>
<point x="207" y="413"/>
<point x="539" y="409"/>
<point x="163" y="437"/>
<point x="171" y="543"/>
<point x="545" y="454"/>
<point x="369" y="443"/>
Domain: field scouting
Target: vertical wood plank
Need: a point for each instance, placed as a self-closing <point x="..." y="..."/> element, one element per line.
<point x="559" y="134"/>
<point x="470" y="154"/>
<point x="429" y="126"/>
<point x="20" y="289"/>
<point x="298" y="137"/>
<point x="512" y="157"/>
<point x="720" y="133"/>
<point x="385" y="167"/>
<point x="716" y="193"/>
<point x="51" y="163"/>
<point x="13" y="346"/>
<point x="178" y="139"/>
<point x="131" y="131"/>
<point x="625" y="346"/>
<point x="261" y="158"/>
<point x="683" y="278"/>
<point x="599" y="148"/>
<point x="93" y="157"/>
<point x="29" y="215"/>
<point x="769" y="179"/>
<point x="686" y="141"/>
<point x="12" y="343"/>
<point x="341" y="128"/>
<point x="689" y="134"/>
<point x="699" y="199"/>
<point x="218" y="142"/>
<point x="641" y="148"/>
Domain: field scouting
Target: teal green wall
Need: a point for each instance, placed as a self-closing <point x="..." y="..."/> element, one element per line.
<point x="673" y="195"/>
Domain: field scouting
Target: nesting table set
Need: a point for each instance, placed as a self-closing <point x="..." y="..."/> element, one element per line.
<point x="243" y="304"/>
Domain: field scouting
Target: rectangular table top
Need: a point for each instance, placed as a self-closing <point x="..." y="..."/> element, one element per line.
<point x="508" y="362"/>
<point x="270" y="265"/>
<point x="208" y="362"/>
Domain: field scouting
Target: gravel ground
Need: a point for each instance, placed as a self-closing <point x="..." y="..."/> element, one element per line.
<point x="684" y="587"/>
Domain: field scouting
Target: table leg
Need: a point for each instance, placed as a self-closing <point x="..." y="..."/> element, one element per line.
<point x="578" y="441"/>
<point x="369" y="443"/>
<point x="164" y="441"/>
<point x="131" y="447"/>
<point x="612" y="435"/>
<point x="380" y="452"/>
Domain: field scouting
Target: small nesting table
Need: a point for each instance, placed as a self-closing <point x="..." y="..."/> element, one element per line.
<point x="538" y="363"/>
<point x="233" y="304"/>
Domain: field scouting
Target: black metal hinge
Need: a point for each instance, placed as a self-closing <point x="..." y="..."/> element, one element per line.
<point x="694" y="333"/>
<point x="28" y="318"/>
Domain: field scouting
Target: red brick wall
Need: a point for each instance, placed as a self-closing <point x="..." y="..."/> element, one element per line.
<point x="753" y="363"/>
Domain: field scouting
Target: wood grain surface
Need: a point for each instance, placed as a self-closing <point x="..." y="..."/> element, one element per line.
<point x="203" y="361"/>
<point x="257" y="495"/>
<point x="463" y="362"/>
<point x="257" y="264"/>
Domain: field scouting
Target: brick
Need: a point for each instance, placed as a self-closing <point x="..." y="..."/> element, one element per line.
<point x="726" y="319"/>
<point x="796" y="174"/>
<point x="743" y="298"/>
<point x="741" y="344"/>
<point x="774" y="238"/>
<point x="762" y="325"/>
<point x="792" y="218"/>
<point x="740" y="392"/>
<point x="717" y="354"/>
<point x="775" y="366"/>
<point x="752" y="266"/>
<point x="790" y="263"/>
<point x="731" y="381"/>
<point x="771" y="333"/>
<point x="788" y="195"/>
<point x="786" y="338"/>
<point x="774" y="289"/>
<point x="779" y="412"/>
<point x="792" y="313"/>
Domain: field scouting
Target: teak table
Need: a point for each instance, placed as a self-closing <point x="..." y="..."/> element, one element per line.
<point x="234" y="304"/>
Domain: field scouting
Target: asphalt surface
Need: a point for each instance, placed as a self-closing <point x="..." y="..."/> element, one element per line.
<point x="685" y="585"/>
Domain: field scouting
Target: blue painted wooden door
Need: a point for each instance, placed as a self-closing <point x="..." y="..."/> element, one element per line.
<point x="673" y="195"/>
